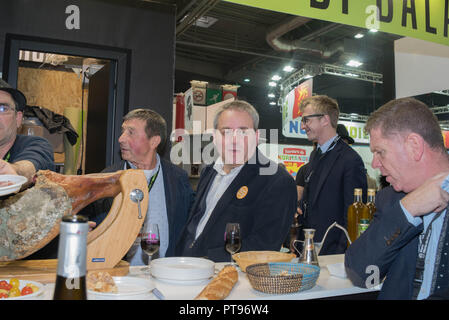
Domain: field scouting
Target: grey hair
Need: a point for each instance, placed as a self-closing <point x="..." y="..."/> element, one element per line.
<point x="155" y="125"/>
<point x="238" y="105"/>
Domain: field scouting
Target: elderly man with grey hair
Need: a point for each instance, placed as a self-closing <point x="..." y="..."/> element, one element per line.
<point x="170" y="195"/>
<point x="238" y="188"/>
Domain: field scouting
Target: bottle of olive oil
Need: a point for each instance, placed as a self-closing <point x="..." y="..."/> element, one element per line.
<point x="354" y="214"/>
<point x="370" y="203"/>
<point x="367" y="213"/>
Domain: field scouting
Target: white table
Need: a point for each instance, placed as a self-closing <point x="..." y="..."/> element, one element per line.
<point x="326" y="286"/>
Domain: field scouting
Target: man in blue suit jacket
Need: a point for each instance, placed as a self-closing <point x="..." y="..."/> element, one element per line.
<point x="243" y="187"/>
<point x="334" y="171"/>
<point x="407" y="242"/>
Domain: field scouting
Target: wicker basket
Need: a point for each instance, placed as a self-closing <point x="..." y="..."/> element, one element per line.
<point x="282" y="277"/>
<point x="247" y="258"/>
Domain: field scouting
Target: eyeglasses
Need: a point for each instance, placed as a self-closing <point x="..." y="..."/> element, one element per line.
<point x="306" y="119"/>
<point x="4" y="108"/>
<point x="238" y="132"/>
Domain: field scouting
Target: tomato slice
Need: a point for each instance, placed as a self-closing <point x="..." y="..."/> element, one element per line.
<point x="3" y="295"/>
<point x="5" y="285"/>
<point x="26" y="290"/>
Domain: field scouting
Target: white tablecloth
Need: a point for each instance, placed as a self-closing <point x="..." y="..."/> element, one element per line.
<point x="327" y="286"/>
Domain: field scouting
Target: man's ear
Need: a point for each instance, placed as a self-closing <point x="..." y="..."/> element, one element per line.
<point x="414" y="145"/>
<point x="19" y="118"/>
<point x="155" y="141"/>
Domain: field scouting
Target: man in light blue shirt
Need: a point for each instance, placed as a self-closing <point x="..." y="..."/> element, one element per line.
<point x="407" y="243"/>
<point x="170" y="196"/>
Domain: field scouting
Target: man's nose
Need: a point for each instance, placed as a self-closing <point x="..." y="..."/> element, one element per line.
<point x="375" y="163"/>
<point x="121" y="138"/>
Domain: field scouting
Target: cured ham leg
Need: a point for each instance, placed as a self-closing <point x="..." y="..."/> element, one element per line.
<point x="84" y="189"/>
<point x="30" y="219"/>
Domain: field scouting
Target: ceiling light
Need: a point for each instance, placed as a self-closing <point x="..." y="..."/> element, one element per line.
<point x="272" y="84"/>
<point x="276" y="78"/>
<point x="271" y="95"/>
<point x="272" y="103"/>
<point x="359" y="36"/>
<point x="288" y="69"/>
<point x="354" y="63"/>
<point x="246" y="80"/>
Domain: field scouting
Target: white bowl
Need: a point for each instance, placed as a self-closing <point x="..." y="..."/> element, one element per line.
<point x="182" y="268"/>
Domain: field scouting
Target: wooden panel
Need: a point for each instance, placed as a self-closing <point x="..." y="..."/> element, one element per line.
<point x="45" y="270"/>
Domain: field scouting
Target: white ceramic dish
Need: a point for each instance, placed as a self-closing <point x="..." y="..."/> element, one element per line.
<point x="17" y="181"/>
<point x="337" y="270"/>
<point x="126" y="286"/>
<point x="23" y="283"/>
<point x="182" y="269"/>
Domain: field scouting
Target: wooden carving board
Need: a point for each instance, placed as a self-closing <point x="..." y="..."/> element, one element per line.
<point x="44" y="271"/>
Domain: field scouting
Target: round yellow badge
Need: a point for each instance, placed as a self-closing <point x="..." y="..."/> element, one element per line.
<point x="243" y="191"/>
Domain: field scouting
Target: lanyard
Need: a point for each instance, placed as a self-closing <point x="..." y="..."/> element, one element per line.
<point x="153" y="178"/>
<point x="420" y="261"/>
<point x="7" y="156"/>
<point x="313" y="166"/>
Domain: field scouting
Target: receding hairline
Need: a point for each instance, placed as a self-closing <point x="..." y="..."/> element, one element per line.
<point x="241" y="106"/>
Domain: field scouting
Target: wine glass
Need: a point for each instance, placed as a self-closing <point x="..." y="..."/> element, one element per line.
<point x="150" y="242"/>
<point x="232" y="239"/>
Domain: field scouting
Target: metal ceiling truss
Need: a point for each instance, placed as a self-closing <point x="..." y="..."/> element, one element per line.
<point x="309" y="71"/>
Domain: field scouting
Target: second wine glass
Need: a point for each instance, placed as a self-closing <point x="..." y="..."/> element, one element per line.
<point x="150" y="241"/>
<point x="233" y="240"/>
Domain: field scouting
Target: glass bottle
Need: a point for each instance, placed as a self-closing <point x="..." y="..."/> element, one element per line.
<point x="71" y="273"/>
<point x="354" y="212"/>
<point x="367" y="213"/>
<point x="370" y="203"/>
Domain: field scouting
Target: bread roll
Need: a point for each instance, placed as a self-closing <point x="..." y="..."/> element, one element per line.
<point x="220" y="286"/>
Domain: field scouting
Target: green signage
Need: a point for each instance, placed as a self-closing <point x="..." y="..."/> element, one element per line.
<point x="421" y="19"/>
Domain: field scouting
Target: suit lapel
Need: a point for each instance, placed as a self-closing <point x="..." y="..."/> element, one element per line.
<point x="208" y="175"/>
<point x="247" y="172"/>
<point x="331" y="157"/>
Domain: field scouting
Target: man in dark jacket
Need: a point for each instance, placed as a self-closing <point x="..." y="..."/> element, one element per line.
<point x="170" y="194"/>
<point x="242" y="186"/>
<point x="19" y="154"/>
<point x="407" y="242"/>
<point x="334" y="171"/>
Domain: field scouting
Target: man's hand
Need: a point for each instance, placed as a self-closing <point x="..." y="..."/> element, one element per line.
<point x="427" y="198"/>
<point x="92" y="225"/>
<point x="7" y="168"/>
<point x="22" y="168"/>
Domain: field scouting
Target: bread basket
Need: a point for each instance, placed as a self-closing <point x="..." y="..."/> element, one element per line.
<point x="247" y="258"/>
<point x="281" y="277"/>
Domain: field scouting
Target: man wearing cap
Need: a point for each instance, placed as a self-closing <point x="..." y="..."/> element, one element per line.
<point x="335" y="170"/>
<point x="19" y="154"/>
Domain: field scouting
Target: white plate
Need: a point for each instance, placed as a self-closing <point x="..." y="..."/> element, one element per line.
<point x="182" y="268"/>
<point x="126" y="286"/>
<point x="17" y="181"/>
<point x="23" y="283"/>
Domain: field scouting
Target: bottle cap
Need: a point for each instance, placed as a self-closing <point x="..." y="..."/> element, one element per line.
<point x="357" y="191"/>
<point x="74" y="218"/>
